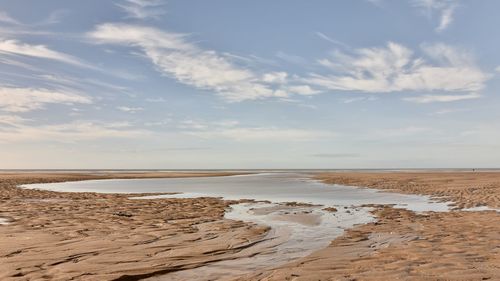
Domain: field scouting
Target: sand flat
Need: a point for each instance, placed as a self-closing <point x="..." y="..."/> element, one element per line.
<point x="89" y="236"/>
<point x="466" y="189"/>
<point x="403" y="245"/>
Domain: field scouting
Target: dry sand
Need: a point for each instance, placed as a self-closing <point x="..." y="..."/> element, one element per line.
<point x="87" y="236"/>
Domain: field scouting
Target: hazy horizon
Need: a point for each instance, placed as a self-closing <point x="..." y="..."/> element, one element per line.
<point x="135" y="84"/>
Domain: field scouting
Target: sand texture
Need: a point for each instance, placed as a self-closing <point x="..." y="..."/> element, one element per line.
<point x="87" y="236"/>
<point x="466" y="189"/>
<point x="405" y="246"/>
<point x="402" y="245"/>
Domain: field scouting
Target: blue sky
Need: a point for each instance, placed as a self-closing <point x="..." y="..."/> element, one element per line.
<point x="249" y="84"/>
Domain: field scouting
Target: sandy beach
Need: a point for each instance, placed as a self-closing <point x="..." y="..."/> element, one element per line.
<point x="402" y="245"/>
<point x="90" y="236"/>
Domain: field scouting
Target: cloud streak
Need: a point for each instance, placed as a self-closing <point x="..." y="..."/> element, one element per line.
<point x="442" y="98"/>
<point x="19" y="130"/>
<point x="5" y="18"/>
<point x="29" y="99"/>
<point x="234" y="131"/>
<point x="177" y="58"/>
<point x="142" y="9"/>
<point x="445" y="9"/>
<point x="15" y="47"/>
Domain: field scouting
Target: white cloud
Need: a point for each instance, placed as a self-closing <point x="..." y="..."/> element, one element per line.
<point x="304" y="90"/>
<point x="444" y="8"/>
<point x="142" y="9"/>
<point x="448" y="111"/>
<point x="275" y="77"/>
<point x="331" y="40"/>
<point x="497" y="69"/>
<point x="11" y="120"/>
<point x="177" y="58"/>
<point x="5" y="18"/>
<point x="446" y="18"/>
<point x="27" y="99"/>
<point x="21" y="131"/>
<point x="394" y="68"/>
<point x="442" y="98"/>
<point x="14" y="47"/>
<point x="130" y="109"/>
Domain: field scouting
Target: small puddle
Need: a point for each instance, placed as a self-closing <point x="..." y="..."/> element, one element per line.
<point x="4" y="221"/>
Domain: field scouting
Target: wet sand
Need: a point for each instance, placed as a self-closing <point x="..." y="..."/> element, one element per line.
<point x="88" y="236"/>
<point x="405" y="246"/>
<point x="466" y="189"/>
<point x="402" y="245"/>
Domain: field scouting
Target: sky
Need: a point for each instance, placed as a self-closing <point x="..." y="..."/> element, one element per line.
<point x="224" y="84"/>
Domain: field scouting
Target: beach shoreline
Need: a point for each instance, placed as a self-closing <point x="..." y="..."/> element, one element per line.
<point x="93" y="236"/>
<point x="403" y="245"/>
<point x="60" y="235"/>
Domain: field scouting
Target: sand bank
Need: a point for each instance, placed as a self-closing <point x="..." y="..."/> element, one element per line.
<point x="466" y="189"/>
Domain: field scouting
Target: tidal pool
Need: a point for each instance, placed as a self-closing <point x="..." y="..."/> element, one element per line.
<point x="296" y="230"/>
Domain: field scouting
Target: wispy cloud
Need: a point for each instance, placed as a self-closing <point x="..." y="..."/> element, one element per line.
<point x="28" y="99"/>
<point x="442" y="98"/>
<point x="177" y="58"/>
<point x="15" y="47"/>
<point x="233" y="130"/>
<point x="359" y="99"/>
<point x="331" y="40"/>
<point x="448" y="111"/>
<point x="291" y="58"/>
<point x="5" y="18"/>
<point x="54" y="17"/>
<point x="21" y="130"/>
<point x="11" y="120"/>
<point x="444" y="8"/>
<point x="130" y="109"/>
<point x="142" y="9"/>
<point x="395" y="68"/>
<point x="446" y="18"/>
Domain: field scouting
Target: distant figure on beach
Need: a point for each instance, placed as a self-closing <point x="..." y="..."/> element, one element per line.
<point x="473" y="170"/>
